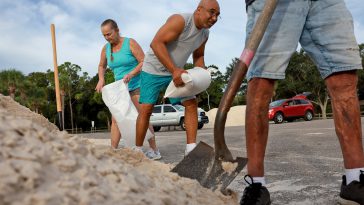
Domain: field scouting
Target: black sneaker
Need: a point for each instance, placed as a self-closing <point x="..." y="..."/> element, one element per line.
<point x="352" y="194"/>
<point x="255" y="194"/>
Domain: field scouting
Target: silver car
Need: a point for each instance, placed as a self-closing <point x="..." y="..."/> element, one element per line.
<point x="174" y="115"/>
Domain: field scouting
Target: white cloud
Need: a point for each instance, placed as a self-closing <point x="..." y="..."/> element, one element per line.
<point x="25" y="29"/>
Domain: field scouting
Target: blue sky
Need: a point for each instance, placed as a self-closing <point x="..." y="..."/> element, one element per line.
<point x="26" y="42"/>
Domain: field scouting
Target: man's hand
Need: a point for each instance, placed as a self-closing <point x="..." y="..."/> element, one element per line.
<point x="100" y="85"/>
<point x="176" y="75"/>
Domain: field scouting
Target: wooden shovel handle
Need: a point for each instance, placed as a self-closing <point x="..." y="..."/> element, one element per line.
<point x="56" y="80"/>
<point x="237" y="77"/>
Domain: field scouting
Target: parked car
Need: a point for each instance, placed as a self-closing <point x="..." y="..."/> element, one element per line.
<point x="291" y="109"/>
<point x="174" y="115"/>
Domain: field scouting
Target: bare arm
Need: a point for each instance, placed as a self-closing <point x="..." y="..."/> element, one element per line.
<point x="139" y="55"/>
<point x="169" y="32"/>
<point x="101" y="70"/>
<point x="199" y="56"/>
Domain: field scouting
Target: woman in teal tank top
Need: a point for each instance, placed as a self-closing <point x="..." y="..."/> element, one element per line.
<point x="125" y="58"/>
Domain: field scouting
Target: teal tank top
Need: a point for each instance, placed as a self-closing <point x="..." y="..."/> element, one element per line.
<point x="123" y="63"/>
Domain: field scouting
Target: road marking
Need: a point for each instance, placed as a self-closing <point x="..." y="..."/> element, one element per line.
<point x="315" y="133"/>
<point x="293" y="129"/>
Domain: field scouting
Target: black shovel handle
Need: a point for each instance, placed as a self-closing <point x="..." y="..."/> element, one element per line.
<point x="237" y="77"/>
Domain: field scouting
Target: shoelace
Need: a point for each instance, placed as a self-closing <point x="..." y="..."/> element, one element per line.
<point x="252" y="191"/>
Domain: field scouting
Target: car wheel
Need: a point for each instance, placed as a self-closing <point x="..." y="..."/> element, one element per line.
<point x="200" y="125"/>
<point x="278" y="118"/>
<point x="308" y="115"/>
<point x="182" y="124"/>
<point x="156" y="128"/>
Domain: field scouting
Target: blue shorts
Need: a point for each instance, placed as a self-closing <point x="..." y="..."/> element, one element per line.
<point x="324" y="28"/>
<point x="151" y="85"/>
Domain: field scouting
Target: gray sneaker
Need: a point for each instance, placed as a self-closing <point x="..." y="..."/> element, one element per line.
<point x="353" y="193"/>
<point x="153" y="155"/>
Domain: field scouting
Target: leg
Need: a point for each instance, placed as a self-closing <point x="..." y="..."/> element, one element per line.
<point x="257" y="123"/>
<point x="270" y="62"/>
<point x="342" y="90"/>
<point x="150" y="86"/>
<point x="329" y="40"/>
<point x="115" y="134"/>
<point x="145" y="110"/>
<point x="191" y="120"/>
<point x="279" y="42"/>
<point x="152" y="143"/>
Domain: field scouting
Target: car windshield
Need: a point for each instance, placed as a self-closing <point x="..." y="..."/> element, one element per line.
<point x="276" y="103"/>
<point x="179" y="107"/>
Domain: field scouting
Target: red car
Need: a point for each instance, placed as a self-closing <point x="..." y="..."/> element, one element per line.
<point x="291" y="109"/>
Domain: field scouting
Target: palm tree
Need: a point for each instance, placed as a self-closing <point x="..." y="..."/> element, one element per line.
<point x="68" y="80"/>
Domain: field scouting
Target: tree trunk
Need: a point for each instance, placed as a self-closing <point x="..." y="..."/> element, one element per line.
<point x="70" y="103"/>
<point x="323" y="106"/>
<point x="62" y="98"/>
<point x="323" y="111"/>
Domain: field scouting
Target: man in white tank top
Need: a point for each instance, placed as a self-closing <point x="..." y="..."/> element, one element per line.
<point x="181" y="36"/>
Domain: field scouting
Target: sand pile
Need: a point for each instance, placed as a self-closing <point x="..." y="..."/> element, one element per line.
<point x="9" y="107"/>
<point x="235" y="117"/>
<point x="42" y="167"/>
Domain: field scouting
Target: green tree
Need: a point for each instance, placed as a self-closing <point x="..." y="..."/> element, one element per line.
<point x="101" y="115"/>
<point x="68" y="80"/>
<point x="10" y="81"/>
<point x="188" y="66"/>
<point x="240" y="97"/>
<point x="361" y="72"/>
<point x="302" y="76"/>
<point x="36" y="91"/>
<point x="211" y="97"/>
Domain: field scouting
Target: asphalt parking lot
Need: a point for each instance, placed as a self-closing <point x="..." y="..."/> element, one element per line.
<point x="303" y="159"/>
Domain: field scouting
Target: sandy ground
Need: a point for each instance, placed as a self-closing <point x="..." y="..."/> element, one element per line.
<point x="41" y="165"/>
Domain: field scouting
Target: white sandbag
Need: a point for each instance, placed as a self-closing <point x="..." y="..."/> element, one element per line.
<point x="196" y="81"/>
<point x="117" y="98"/>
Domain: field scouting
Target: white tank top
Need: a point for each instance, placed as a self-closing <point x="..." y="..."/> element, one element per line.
<point x="180" y="50"/>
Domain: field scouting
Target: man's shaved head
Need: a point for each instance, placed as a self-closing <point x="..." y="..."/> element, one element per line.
<point x="205" y="3"/>
<point x="207" y="13"/>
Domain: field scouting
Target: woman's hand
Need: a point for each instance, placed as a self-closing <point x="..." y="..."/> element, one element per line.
<point x="127" y="78"/>
<point x="100" y="85"/>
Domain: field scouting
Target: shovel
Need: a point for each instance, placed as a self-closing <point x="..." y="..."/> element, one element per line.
<point x="217" y="169"/>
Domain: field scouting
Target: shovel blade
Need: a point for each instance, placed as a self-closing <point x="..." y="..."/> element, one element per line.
<point x="200" y="164"/>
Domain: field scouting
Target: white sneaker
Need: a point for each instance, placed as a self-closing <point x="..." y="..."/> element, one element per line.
<point x="153" y="155"/>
